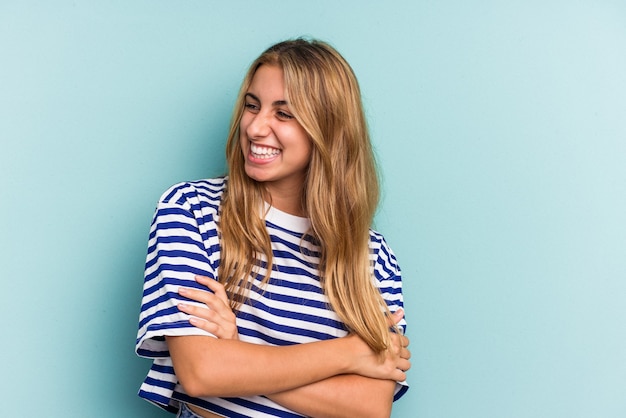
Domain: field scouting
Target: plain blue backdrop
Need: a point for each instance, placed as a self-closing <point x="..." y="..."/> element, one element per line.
<point x="499" y="128"/>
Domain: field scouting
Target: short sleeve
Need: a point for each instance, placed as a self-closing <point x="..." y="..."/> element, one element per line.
<point x="388" y="278"/>
<point x="182" y="243"/>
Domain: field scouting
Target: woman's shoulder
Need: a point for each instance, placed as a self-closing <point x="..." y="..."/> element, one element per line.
<point x="380" y="250"/>
<point x="377" y="240"/>
<point x="198" y="192"/>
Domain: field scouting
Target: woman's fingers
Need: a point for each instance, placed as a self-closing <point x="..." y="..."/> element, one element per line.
<point x="215" y="316"/>
<point x="202" y="296"/>
<point x="392" y="365"/>
<point x="405" y="353"/>
<point x="217" y="299"/>
<point x="212" y="327"/>
<point x="395" y="317"/>
<point x="404" y="365"/>
<point x="215" y="286"/>
<point x="400" y="344"/>
<point x="210" y="321"/>
<point x="400" y="341"/>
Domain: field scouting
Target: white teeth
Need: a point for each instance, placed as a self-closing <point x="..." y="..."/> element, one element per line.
<point x="263" y="152"/>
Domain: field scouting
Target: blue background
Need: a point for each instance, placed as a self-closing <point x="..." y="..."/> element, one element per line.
<point x="499" y="128"/>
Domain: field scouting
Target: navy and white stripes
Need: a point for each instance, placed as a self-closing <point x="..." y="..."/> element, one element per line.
<point x="290" y="309"/>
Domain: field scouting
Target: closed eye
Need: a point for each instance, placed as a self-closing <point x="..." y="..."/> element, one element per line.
<point x="251" y="106"/>
<point x="284" y="115"/>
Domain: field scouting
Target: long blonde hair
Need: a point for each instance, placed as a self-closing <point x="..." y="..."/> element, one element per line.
<point x="340" y="194"/>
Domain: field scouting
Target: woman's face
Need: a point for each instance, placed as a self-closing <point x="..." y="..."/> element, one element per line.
<point x="276" y="148"/>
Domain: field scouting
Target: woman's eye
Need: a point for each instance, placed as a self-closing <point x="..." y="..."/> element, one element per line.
<point x="284" y="115"/>
<point x="250" y="106"/>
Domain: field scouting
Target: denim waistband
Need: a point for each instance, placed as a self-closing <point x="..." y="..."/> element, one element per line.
<point x="185" y="412"/>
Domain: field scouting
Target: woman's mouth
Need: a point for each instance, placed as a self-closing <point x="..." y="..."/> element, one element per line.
<point x="263" y="152"/>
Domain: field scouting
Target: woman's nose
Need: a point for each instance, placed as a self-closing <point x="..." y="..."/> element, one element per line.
<point x="259" y="126"/>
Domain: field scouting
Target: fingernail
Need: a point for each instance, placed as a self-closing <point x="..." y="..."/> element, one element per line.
<point x="182" y="290"/>
<point x="182" y="306"/>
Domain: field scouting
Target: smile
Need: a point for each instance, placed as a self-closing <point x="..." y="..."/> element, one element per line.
<point x="262" y="152"/>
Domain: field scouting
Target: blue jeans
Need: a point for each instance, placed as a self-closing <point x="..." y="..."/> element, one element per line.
<point x="185" y="412"/>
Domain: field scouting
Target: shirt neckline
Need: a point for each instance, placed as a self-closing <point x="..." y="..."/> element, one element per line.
<point x="286" y="220"/>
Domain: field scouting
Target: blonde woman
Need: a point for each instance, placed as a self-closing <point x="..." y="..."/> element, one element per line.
<point x="266" y="292"/>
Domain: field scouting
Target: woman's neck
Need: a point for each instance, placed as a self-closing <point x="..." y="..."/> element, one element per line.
<point x="286" y="200"/>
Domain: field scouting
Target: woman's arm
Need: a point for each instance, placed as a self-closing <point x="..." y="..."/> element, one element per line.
<point x="342" y="395"/>
<point x="208" y="366"/>
<point x="348" y="395"/>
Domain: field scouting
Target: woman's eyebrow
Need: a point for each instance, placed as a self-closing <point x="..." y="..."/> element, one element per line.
<point x="252" y="96"/>
<point x="276" y="103"/>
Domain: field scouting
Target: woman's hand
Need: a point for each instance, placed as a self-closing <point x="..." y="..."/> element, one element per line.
<point x="399" y="342"/>
<point x="391" y="364"/>
<point x="216" y="317"/>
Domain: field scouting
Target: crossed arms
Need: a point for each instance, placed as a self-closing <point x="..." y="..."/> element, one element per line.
<point x="340" y="377"/>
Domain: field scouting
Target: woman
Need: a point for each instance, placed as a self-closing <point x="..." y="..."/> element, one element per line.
<point x="266" y="291"/>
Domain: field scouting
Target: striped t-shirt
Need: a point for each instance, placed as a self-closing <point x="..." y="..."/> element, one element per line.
<point x="290" y="309"/>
